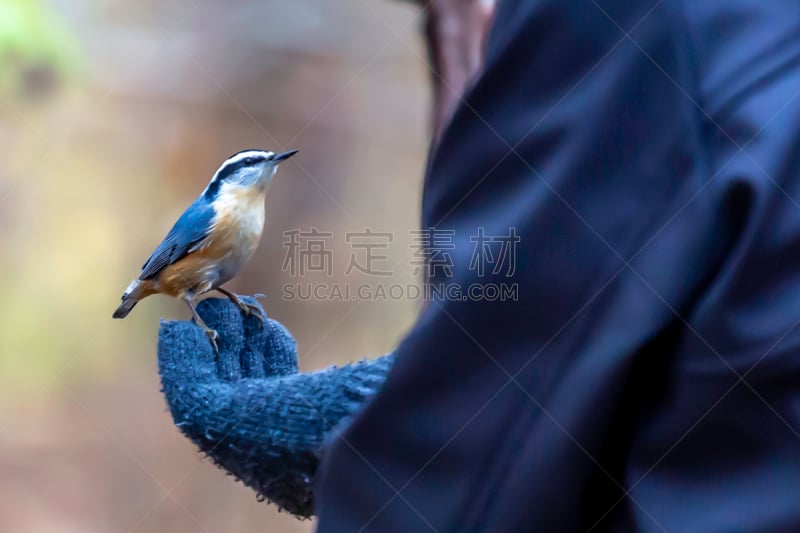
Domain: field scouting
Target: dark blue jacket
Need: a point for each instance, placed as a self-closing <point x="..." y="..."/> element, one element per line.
<point x="647" y="378"/>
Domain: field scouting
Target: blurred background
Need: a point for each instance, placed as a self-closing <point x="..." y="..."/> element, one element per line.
<point x="114" y="114"/>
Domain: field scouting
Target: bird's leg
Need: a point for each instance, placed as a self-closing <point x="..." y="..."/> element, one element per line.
<point x="212" y="335"/>
<point x="247" y="309"/>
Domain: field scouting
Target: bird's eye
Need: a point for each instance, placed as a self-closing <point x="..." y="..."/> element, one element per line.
<point x="250" y="161"/>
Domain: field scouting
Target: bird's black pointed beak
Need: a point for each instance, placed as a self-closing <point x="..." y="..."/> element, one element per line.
<point x="283" y="156"/>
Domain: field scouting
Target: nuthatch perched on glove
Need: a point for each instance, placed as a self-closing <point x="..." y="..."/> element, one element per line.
<point x="213" y="239"/>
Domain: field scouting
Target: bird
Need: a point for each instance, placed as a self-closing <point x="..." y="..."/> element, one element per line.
<point x="213" y="239"/>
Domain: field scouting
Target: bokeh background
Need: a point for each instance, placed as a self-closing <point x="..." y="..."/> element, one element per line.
<point x="113" y="116"/>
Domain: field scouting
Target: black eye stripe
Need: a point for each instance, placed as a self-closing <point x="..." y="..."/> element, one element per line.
<point x="252" y="160"/>
<point x="229" y="170"/>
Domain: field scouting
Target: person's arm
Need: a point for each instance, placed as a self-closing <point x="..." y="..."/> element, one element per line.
<point x="512" y="410"/>
<point x="249" y="409"/>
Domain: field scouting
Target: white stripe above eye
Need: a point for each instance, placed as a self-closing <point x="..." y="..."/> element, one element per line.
<point x="241" y="156"/>
<point x="235" y="158"/>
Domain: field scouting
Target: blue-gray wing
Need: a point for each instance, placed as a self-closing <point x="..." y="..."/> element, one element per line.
<point x="191" y="228"/>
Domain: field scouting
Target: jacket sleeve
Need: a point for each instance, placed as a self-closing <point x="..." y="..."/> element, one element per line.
<point x="654" y="256"/>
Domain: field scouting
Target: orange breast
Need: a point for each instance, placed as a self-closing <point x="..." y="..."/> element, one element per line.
<point x="234" y="237"/>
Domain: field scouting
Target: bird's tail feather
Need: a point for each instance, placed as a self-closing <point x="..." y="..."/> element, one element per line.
<point x="135" y="292"/>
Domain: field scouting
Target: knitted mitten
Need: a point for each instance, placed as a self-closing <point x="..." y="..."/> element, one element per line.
<point x="249" y="409"/>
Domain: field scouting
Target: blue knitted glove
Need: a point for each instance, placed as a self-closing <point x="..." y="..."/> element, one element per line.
<point x="249" y="409"/>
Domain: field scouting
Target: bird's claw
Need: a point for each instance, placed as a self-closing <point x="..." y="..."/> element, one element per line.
<point x="247" y="308"/>
<point x="212" y="338"/>
<point x="251" y="310"/>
